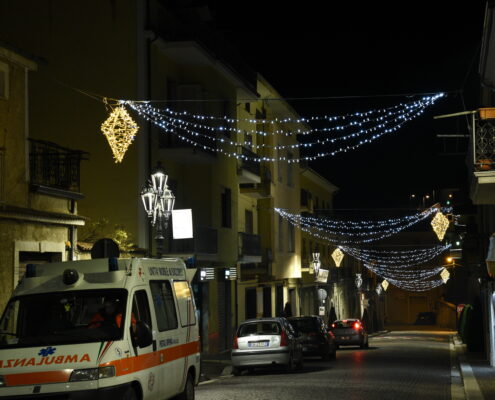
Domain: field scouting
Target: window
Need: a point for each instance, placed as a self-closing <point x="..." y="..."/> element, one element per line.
<point x="248" y="221"/>
<point x="163" y="299"/>
<point x="280" y="164"/>
<point x="4" y="81"/>
<point x="280" y="233"/>
<point x="226" y="205"/>
<point x="291" y="247"/>
<point x="290" y="170"/>
<point x="304" y="250"/>
<point x="185" y="302"/>
<point x="141" y="307"/>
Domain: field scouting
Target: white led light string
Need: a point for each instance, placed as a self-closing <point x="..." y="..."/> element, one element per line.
<point x="408" y="113"/>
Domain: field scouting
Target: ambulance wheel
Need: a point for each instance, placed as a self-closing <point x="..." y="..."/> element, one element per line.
<point x="130" y="394"/>
<point x="188" y="393"/>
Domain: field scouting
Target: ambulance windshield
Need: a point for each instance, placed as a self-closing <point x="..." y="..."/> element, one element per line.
<point x="63" y="318"/>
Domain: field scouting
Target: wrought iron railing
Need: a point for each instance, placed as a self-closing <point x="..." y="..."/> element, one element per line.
<point x="249" y="245"/>
<point x="55" y="166"/>
<point x="483" y="143"/>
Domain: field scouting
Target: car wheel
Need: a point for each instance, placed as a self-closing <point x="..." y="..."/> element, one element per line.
<point x="236" y="371"/>
<point x="130" y="394"/>
<point x="333" y="355"/>
<point x="300" y="364"/>
<point x="188" y="392"/>
<point x="362" y="345"/>
<point x="367" y="345"/>
<point x="337" y="347"/>
<point x="290" y="365"/>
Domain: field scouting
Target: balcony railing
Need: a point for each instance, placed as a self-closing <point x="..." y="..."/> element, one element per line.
<point x="205" y="241"/>
<point x="249" y="165"/>
<point x="54" y="166"/>
<point x="249" y="245"/>
<point x="483" y="143"/>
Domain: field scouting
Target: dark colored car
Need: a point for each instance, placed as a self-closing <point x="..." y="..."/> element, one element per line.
<point x="426" y="318"/>
<point x="349" y="332"/>
<point x="316" y="339"/>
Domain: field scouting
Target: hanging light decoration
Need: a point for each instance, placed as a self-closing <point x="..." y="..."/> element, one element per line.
<point x="120" y="130"/>
<point x="440" y="224"/>
<point x="445" y="275"/>
<point x="337" y="256"/>
<point x="385" y="285"/>
<point x="358" y="281"/>
<point x="378" y="289"/>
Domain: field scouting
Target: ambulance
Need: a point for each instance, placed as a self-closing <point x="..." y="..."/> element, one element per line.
<point x="101" y="329"/>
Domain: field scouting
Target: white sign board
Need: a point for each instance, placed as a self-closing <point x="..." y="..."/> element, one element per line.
<point x="182" y="225"/>
<point x="321" y="311"/>
<point x="322" y="275"/>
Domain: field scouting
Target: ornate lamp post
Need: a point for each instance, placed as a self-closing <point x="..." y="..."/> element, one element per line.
<point x="158" y="201"/>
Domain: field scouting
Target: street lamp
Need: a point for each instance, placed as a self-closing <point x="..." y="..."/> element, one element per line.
<point x="158" y="201"/>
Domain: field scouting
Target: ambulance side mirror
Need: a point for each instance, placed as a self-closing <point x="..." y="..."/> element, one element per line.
<point x="143" y="335"/>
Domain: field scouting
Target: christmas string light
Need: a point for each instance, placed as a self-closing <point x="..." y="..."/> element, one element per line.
<point x="380" y="122"/>
<point x="287" y="120"/>
<point x="172" y="127"/>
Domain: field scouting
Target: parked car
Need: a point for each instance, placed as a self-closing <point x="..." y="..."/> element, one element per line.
<point x="349" y="332"/>
<point x="317" y="340"/>
<point x="265" y="342"/>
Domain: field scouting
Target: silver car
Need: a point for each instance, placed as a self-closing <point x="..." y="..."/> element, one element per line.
<point x="265" y="342"/>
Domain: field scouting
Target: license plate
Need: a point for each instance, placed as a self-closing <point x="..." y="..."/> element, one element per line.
<point x="258" y="344"/>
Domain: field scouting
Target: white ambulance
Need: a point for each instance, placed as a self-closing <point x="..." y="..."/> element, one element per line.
<point x="101" y="329"/>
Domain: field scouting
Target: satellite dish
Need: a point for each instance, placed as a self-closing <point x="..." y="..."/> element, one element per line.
<point x="105" y="248"/>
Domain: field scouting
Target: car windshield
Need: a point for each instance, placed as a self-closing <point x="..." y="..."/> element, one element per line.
<point x="259" y="328"/>
<point x="345" y="324"/>
<point x="63" y="318"/>
<point x="304" y="325"/>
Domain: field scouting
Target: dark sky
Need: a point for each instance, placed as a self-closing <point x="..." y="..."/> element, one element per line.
<point x="316" y="48"/>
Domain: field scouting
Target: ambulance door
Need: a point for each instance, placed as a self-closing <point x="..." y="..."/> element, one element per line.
<point x="168" y="340"/>
<point x="145" y="358"/>
<point x="187" y="326"/>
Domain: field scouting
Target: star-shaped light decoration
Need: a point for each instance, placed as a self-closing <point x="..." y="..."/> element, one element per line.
<point x="120" y="130"/>
<point x="337" y="256"/>
<point x="385" y="285"/>
<point x="445" y="275"/>
<point x="440" y="223"/>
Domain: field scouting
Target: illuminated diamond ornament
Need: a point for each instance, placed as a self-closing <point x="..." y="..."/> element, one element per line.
<point x="445" y="275"/>
<point x="440" y="223"/>
<point x="337" y="256"/>
<point x="385" y="285"/>
<point x="120" y="130"/>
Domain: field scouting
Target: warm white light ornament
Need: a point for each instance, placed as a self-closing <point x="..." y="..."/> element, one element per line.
<point x="445" y="275"/>
<point x="385" y="285"/>
<point x="337" y="256"/>
<point x="120" y="130"/>
<point x="440" y="224"/>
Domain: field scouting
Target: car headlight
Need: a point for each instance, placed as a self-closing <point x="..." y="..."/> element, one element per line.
<point x="2" y="381"/>
<point x="92" y="374"/>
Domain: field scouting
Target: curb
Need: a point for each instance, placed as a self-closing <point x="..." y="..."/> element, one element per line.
<point x="378" y="333"/>
<point x="470" y="387"/>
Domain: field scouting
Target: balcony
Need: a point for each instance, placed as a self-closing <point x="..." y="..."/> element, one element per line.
<point x="249" y="171"/>
<point x="483" y="157"/>
<point x="55" y="170"/>
<point x="249" y="248"/>
<point x="306" y="201"/>
<point x="172" y="148"/>
<point x="204" y="245"/>
<point x="260" y="190"/>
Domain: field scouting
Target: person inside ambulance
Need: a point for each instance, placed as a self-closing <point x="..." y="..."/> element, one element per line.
<point x="109" y="316"/>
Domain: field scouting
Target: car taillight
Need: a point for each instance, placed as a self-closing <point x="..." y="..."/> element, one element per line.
<point x="333" y="325"/>
<point x="235" y="345"/>
<point x="283" y="339"/>
<point x="357" y="325"/>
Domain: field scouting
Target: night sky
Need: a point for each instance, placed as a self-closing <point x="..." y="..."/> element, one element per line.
<point x="319" y="49"/>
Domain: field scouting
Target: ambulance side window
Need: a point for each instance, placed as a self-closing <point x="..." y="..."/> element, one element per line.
<point x="141" y="307"/>
<point x="163" y="300"/>
<point x="185" y="301"/>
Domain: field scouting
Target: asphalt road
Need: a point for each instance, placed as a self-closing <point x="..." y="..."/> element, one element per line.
<point x="397" y="366"/>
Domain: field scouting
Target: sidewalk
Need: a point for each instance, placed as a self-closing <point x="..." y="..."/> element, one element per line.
<point x="477" y="375"/>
